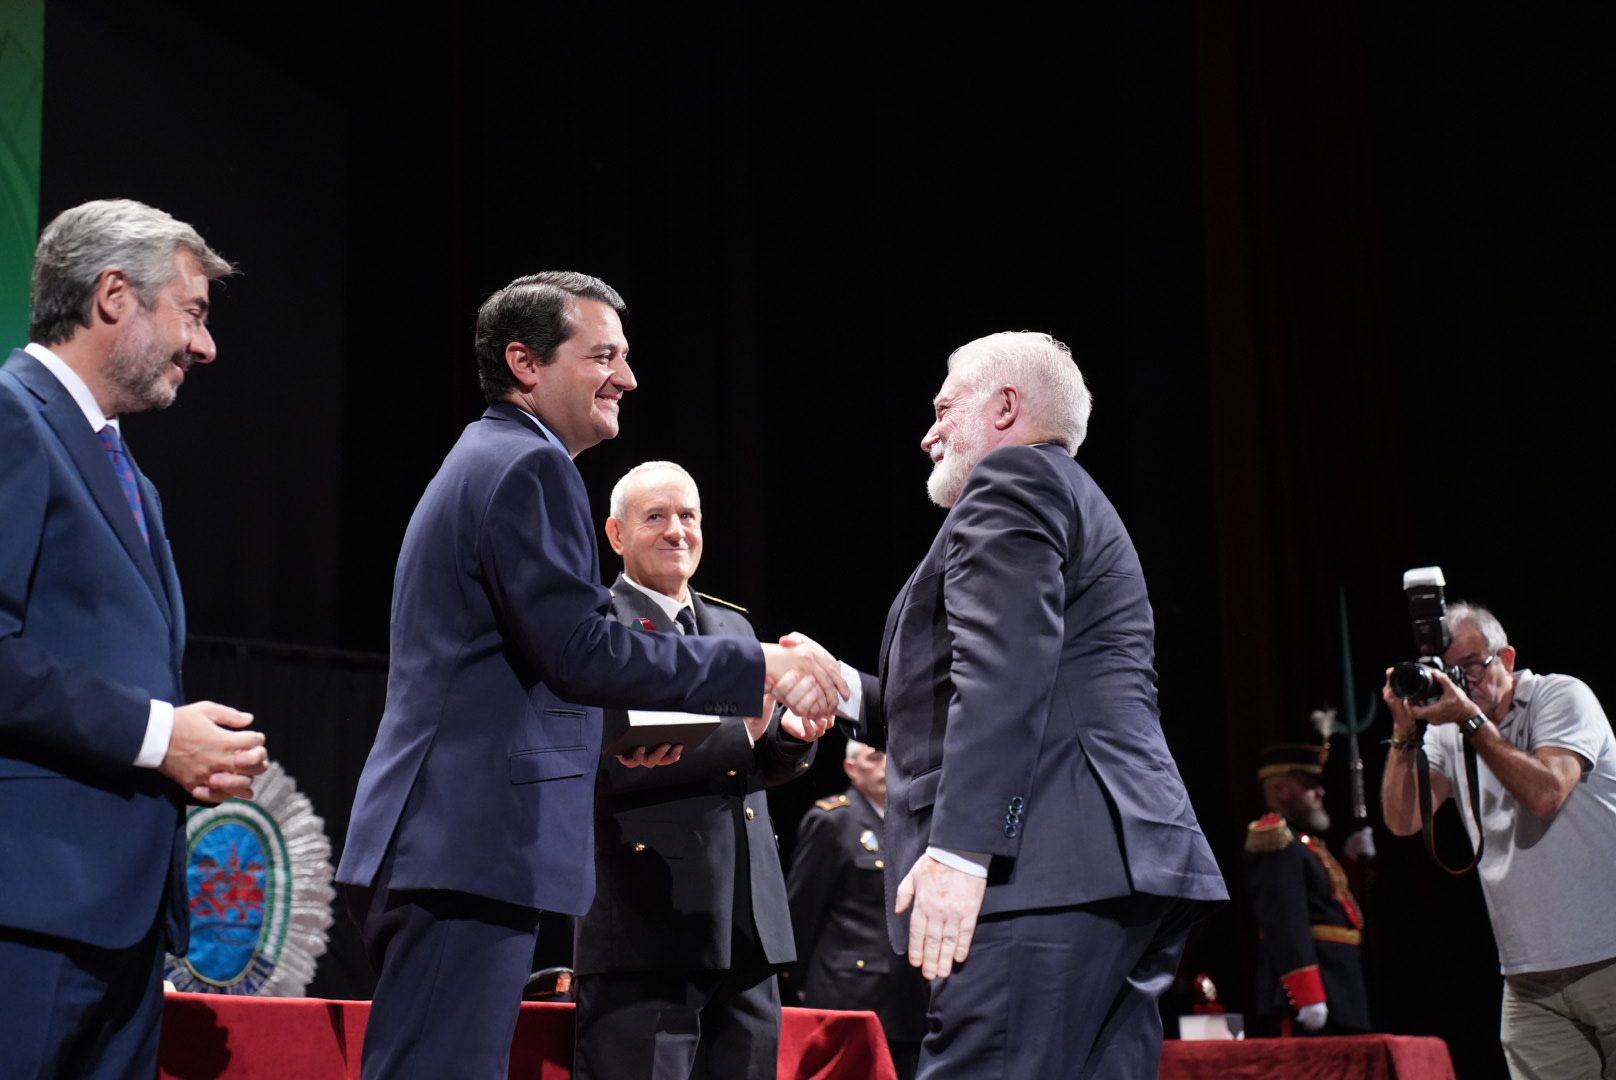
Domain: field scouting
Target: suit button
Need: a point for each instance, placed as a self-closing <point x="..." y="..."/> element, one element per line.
<point x="730" y="773"/>
<point x="638" y="847"/>
<point x="1011" y="830"/>
<point x="1017" y="805"/>
<point x="750" y="813"/>
<point x="859" y="964"/>
<point x="880" y="864"/>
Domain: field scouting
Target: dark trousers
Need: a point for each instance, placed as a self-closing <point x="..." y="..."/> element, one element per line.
<point x="1068" y="992"/>
<point x="723" y="1025"/>
<point x="69" y="1009"/>
<point x="452" y="969"/>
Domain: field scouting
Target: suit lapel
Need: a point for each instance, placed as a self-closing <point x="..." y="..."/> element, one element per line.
<point x="704" y="616"/>
<point x="62" y="413"/>
<point x="632" y="606"/>
<point x="889" y="631"/>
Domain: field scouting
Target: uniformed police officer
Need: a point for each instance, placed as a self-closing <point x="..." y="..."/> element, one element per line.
<point x="1308" y="963"/>
<point x="837" y="899"/>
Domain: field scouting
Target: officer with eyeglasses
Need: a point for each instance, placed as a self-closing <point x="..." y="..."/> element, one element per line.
<point x="1546" y="765"/>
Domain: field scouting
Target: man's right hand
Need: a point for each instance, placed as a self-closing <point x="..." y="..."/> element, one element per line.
<point x="804" y="676"/>
<point x="1402" y="719"/>
<point x="1313" y="1016"/>
<point x="209" y="757"/>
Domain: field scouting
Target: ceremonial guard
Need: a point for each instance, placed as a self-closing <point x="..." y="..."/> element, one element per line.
<point x="1310" y="926"/>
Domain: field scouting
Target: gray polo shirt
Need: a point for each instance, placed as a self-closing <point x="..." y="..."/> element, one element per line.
<point x="1548" y="881"/>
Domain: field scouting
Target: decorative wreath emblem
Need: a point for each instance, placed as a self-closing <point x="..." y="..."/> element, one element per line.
<point x="258" y="878"/>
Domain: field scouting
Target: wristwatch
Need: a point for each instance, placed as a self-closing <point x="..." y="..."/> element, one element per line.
<point x="1469" y="727"/>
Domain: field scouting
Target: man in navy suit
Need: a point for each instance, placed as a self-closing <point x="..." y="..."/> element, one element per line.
<point x="1043" y="857"/>
<point x="474" y="810"/>
<point x="97" y="751"/>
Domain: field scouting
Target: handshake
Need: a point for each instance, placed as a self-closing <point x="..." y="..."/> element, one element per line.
<point x="808" y="681"/>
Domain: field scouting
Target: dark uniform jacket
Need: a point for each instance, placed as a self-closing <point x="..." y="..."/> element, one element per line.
<point x="838" y="911"/>
<point x="683" y="851"/>
<point x="1310" y="927"/>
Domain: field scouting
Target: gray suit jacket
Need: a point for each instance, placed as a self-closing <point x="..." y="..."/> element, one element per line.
<point x="1016" y="701"/>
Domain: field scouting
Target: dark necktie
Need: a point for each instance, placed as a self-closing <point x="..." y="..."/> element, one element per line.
<point x="126" y="475"/>
<point x="687" y="621"/>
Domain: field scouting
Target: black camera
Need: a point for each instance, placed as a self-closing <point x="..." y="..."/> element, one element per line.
<point x="1415" y="680"/>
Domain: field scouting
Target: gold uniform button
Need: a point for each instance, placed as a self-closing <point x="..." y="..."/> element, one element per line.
<point x="880" y="864"/>
<point x="730" y="773"/>
<point x="860" y="964"/>
<point x="750" y="813"/>
<point x="638" y="848"/>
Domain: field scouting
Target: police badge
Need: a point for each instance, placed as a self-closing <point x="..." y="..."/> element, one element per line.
<point x="258" y="879"/>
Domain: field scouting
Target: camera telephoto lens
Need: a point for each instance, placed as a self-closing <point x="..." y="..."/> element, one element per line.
<point x="1415" y="682"/>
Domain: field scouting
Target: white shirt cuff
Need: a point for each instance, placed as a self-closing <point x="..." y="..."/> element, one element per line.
<point x="848" y="707"/>
<point x="969" y="862"/>
<point x="159" y="730"/>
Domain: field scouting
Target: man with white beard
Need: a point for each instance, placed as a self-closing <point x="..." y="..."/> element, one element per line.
<point x="1043" y="863"/>
<point x="1308" y="961"/>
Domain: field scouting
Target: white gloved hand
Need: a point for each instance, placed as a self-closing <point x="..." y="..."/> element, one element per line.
<point x="1361" y="844"/>
<point x="1313" y="1016"/>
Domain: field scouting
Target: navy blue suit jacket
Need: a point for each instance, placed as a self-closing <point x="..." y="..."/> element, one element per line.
<point x="1016" y="700"/>
<point x="482" y="778"/>
<point x="672" y="842"/>
<point x="92" y="628"/>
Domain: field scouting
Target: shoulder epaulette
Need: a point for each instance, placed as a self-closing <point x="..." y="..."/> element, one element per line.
<point x="722" y="602"/>
<point x="1268" y="833"/>
<point x="831" y="802"/>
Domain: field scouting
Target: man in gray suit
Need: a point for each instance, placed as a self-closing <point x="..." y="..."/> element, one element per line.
<point x="1044" y="857"/>
<point x="676" y="957"/>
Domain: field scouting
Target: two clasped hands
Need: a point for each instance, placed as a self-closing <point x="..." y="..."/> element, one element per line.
<point x="799" y="674"/>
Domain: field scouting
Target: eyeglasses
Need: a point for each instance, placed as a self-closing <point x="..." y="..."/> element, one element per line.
<point x="1475" y="669"/>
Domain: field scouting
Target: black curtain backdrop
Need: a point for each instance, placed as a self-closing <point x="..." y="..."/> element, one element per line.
<point x="1336" y="274"/>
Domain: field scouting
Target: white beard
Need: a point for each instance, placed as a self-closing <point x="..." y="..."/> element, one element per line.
<point x="960" y="455"/>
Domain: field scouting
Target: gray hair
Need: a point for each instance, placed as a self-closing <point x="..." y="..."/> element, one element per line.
<point x="533" y="310"/>
<point x="1492" y="631"/>
<point x="619" y="500"/>
<point x="83" y="243"/>
<point x="1053" y="389"/>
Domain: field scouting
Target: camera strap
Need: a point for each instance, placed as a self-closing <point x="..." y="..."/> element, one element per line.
<point x="1422" y="780"/>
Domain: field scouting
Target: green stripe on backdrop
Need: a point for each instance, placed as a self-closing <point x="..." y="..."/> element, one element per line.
<point x="22" y="95"/>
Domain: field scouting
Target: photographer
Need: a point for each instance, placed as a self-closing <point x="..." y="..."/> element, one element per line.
<point x="1547" y="773"/>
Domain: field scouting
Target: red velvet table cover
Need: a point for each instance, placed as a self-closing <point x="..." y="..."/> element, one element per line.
<point x="219" y="1037"/>
<point x="1358" y="1057"/>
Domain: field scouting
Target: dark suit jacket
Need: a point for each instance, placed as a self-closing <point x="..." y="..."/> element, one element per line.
<point x="482" y="777"/>
<point x="672" y="842"/>
<point x="838" y="909"/>
<point x="92" y="628"/>
<point x="1016" y="701"/>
